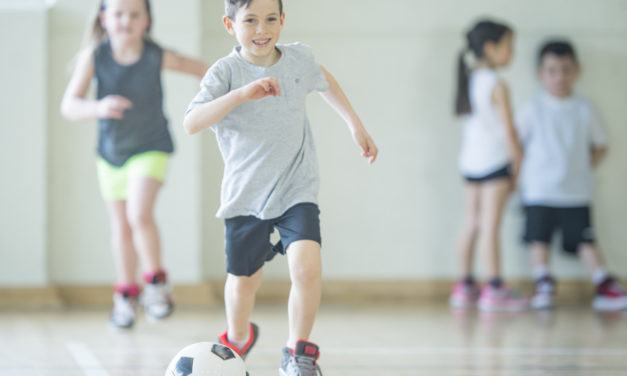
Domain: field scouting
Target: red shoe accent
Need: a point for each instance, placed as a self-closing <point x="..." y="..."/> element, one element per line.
<point x="253" y="333"/>
<point x="306" y="348"/>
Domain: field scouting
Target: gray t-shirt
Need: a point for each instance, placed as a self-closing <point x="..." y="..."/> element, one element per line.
<point x="557" y="135"/>
<point x="270" y="161"/>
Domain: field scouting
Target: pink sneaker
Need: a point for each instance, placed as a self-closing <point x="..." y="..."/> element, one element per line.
<point x="610" y="296"/>
<point x="464" y="295"/>
<point x="501" y="299"/>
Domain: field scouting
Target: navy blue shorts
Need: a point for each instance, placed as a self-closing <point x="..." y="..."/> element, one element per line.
<point x="574" y="223"/>
<point x="248" y="245"/>
<point x="502" y="173"/>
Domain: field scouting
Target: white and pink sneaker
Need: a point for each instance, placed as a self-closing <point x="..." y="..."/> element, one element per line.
<point x="464" y="295"/>
<point x="501" y="299"/>
<point x="610" y="296"/>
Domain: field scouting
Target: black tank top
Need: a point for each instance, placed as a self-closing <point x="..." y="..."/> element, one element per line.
<point x="144" y="127"/>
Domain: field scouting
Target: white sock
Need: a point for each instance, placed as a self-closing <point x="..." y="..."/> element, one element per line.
<point x="540" y="271"/>
<point x="599" y="275"/>
<point x="240" y="344"/>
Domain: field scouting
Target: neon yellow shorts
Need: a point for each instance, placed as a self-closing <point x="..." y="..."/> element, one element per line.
<point x="114" y="180"/>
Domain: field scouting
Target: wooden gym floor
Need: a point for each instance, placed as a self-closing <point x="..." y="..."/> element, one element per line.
<point x="355" y="339"/>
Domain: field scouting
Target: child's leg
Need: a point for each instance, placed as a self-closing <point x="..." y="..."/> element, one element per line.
<point x="494" y="194"/>
<point x="591" y="257"/>
<point x="469" y="229"/>
<point x="124" y="254"/>
<point x="540" y="259"/>
<point x="239" y="300"/>
<point x="306" y="274"/>
<point x="142" y="194"/>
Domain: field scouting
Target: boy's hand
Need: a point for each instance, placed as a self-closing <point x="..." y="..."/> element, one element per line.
<point x="365" y="142"/>
<point x="261" y="88"/>
<point x="113" y="107"/>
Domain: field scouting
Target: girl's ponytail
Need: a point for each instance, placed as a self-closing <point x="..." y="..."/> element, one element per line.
<point x="462" y="99"/>
<point x="483" y="32"/>
<point x="95" y="33"/>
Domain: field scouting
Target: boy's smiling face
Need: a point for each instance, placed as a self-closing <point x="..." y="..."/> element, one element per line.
<point x="257" y="29"/>
<point x="558" y="74"/>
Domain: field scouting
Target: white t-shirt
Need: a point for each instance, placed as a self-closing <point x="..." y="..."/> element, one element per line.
<point x="270" y="161"/>
<point x="558" y="135"/>
<point x="484" y="144"/>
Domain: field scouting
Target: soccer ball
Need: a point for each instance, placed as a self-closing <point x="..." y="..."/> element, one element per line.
<point x="206" y="359"/>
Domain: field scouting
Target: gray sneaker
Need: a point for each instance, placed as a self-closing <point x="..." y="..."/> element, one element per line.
<point x="302" y="362"/>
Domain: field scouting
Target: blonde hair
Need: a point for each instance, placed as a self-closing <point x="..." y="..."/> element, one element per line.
<point x="96" y="33"/>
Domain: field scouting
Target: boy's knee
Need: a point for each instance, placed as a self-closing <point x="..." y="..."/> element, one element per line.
<point x="243" y="285"/>
<point x="306" y="274"/>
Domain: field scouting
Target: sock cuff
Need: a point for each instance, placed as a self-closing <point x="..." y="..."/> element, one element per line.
<point x="131" y="290"/>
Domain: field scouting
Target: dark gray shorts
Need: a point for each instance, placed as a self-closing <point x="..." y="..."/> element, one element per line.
<point x="248" y="244"/>
<point x="575" y="223"/>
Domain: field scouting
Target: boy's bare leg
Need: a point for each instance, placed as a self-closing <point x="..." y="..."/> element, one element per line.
<point x="540" y="255"/>
<point x="239" y="300"/>
<point x="305" y="266"/>
<point x="591" y="257"/>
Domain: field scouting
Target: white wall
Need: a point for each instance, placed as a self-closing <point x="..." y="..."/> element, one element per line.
<point x="397" y="219"/>
<point x="23" y="258"/>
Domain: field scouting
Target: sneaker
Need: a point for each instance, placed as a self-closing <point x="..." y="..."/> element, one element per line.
<point x="610" y="296"/>
<point x="123" y="314"/>
<point x="544" y="295"/>
<point x="501" y="299"/>
<point x="464" y="295"/>
<point x="301" y="361"/>
<point x="157" y="301"/>
<point x="253" y="329"/>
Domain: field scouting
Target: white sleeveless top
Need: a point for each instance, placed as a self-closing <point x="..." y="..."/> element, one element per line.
<point x="484" y="145"/>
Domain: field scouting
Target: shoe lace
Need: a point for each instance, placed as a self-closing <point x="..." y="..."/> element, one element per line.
<point x="305" y="366"/>
<point x="122" y="307"/>
<point x="155" y="294"/>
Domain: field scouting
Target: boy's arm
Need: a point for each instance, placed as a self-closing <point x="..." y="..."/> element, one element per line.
<point x="180" y="63"/>
<point x="75" y="107"/>
<point x="207" y="114"/>
<point x="597" y="154"/>
<point x="338" y="101"/>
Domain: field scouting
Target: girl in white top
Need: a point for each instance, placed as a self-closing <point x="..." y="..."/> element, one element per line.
<point x="489" y="161"/>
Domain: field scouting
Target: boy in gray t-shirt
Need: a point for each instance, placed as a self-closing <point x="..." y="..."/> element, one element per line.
<point x="563" y="141"/>
<point x="254" y="100"/>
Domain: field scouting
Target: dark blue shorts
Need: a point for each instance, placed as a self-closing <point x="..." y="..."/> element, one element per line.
<point x="248" y="244"/>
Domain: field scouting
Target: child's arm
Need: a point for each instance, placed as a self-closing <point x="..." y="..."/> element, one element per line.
<point x="75" y="107"/>
<point x="337" y="99"/>
<point x="500" y="97"/>
<point x="207" y="114"/>
<point x="597" y="155"/>
<point x="183" y="64"/>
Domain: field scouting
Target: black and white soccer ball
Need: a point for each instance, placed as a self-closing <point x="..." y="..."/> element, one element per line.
<point x="206" y="359"/>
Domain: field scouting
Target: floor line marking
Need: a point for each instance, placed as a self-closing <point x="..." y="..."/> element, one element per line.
<point x="85" y="359"/>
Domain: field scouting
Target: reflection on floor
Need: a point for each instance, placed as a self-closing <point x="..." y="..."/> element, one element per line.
<point x="365" y="340"/>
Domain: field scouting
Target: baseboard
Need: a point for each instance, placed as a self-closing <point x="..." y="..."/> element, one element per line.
<point x="211" y="293"/>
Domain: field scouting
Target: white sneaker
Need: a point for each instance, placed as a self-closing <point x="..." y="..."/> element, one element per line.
<point x="545" y="294"/>
<point x="123" y="314"/>
<point x="157" y="301"/>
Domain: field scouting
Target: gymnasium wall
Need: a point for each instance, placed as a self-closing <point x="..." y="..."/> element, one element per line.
<point x="395" y="220"/>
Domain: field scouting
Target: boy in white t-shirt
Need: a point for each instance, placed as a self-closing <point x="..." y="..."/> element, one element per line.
<point x="563" y="141"/>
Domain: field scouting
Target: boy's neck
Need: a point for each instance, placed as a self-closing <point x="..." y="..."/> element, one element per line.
<point x="560" y="95"/>
<point x="261" y="61"/>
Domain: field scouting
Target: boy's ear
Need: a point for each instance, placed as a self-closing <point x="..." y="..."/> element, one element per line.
<point x="282" y="19"/>
<point x="228" y="25"/>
